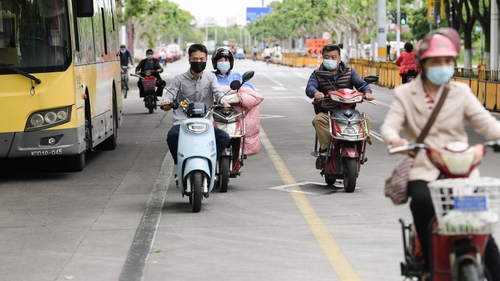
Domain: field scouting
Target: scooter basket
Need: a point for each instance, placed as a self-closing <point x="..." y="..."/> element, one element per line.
<point x="149" y="83"/>
<point x="466" y="205"/>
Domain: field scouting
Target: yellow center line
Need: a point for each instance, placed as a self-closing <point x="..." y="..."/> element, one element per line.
<point x="327" y="243"/>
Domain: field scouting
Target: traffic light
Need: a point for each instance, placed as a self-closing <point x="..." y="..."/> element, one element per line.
<point x="403" y="18"/>
<point x="394" y="17"/>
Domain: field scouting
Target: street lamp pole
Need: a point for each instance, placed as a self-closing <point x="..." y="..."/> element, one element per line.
<point x="398" y="32"/>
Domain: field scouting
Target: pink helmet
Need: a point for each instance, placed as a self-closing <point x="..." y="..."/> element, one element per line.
<point x="444" y="42"/>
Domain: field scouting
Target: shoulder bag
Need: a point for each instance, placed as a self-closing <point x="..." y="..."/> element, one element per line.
<point x="396" y="186"/>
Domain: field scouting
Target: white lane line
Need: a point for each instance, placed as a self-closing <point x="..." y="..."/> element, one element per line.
<point x="274" y="80"/>
<point x="376" y="135"/>
<point x="301" y="75"/>
<point x="382" y="103"/>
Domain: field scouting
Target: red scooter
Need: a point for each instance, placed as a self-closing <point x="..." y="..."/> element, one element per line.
<point x="149" y="83"/>
<point x="232" y="122"/>
<point x="466" y="213"/>
<point x="348" y="134"/>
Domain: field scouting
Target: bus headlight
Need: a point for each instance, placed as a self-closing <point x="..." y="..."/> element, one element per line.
<point x="48" y="118"/>
<point x="36" y="120"/>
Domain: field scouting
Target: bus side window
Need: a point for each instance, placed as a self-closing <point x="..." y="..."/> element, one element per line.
<point x="4" y="40"/>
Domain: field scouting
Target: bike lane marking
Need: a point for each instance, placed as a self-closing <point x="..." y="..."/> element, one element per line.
<point x="138" y="255"/>
<point x="325" y="239"/>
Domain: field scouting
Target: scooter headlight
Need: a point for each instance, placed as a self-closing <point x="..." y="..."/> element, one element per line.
<point x="196" y="128"/>
<point x="347" y="130"/>
<point x="350" y="131"/>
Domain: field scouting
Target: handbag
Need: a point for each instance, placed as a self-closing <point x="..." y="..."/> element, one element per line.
<point x="396" y="186"/>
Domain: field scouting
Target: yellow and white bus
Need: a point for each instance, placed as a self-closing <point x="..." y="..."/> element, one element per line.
<point x="60" y="92"/>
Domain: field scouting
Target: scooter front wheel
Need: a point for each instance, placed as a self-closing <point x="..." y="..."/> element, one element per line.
<point x="350" y="174"/>
<point x="224" y="173"/>
<point x="469" y="272"/>
<point x="196" y="188"/>
<point x="151" y="103"/>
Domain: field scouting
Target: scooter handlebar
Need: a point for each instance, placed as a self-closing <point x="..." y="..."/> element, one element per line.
<point x="410" y="147"/>
<point x="493" y="144"/>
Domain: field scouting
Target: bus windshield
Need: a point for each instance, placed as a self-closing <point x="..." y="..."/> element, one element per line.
<point x="34" y="36"/>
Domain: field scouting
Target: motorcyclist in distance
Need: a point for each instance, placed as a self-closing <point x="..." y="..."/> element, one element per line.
<point x="125" y="58"/>
<point x="150" y="63"/>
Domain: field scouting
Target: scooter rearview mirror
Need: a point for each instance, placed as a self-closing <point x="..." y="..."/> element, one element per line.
<point x="235" y="85"/>
<point x="247" y="76"/>
<point x="371" y="79"/>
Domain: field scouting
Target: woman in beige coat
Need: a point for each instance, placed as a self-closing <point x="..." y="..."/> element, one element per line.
<point x="412" y="107"/>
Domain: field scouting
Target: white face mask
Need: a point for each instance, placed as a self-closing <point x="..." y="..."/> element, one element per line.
<point x="438" y="75"/>
<point x="330" y="64"/>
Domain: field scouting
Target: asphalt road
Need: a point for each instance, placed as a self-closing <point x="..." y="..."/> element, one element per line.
<point x="122" y="217"/>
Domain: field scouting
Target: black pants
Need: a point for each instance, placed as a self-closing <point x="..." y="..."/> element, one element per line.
<point x="423" y="212"/>
<point x="410" y="73"/>
<point x="221" y="139"/>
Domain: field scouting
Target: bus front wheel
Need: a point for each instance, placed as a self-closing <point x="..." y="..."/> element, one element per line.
<point x="74" y="163"/>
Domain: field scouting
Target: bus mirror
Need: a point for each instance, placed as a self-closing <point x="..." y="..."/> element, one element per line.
<point x="84" y="8"/>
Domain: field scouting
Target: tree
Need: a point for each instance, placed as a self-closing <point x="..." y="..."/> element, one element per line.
<point x="156" y="19"/>
<point x="467" y="20"/>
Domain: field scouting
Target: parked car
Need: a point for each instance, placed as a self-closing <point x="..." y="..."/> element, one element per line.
<point x="175" y="50"/>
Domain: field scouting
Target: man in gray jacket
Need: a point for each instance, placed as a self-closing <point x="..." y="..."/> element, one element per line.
<point x="194" y="85"/>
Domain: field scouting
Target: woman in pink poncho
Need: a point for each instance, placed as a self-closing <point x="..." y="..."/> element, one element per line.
<point x="249" y="99"/>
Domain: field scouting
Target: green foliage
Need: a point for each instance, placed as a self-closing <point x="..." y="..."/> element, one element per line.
<point x="156" y="18"/>
<point x="419" y="23"/>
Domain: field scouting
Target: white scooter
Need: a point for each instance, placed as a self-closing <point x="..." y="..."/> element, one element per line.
<point x="196" y="152"/>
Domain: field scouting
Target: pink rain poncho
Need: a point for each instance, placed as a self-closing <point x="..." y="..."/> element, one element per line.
<point x="246" y="99"/>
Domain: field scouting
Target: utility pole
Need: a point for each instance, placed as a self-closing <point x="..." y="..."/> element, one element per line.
<point x="494" y="36"/>
<point x="381" y="34"/>
<point x="398" y="32"/>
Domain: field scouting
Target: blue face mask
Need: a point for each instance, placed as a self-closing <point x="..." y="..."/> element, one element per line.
<point x="330" y="64"/>
<point x="150" y="57"/>
<point x="438" y="75"/>
<point x="223" y="66"/>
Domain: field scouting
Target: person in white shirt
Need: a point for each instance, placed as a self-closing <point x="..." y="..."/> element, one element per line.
<point x="343" y="54"/>
<point x="277" y="54"/>
<point x="267" y="54"/>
